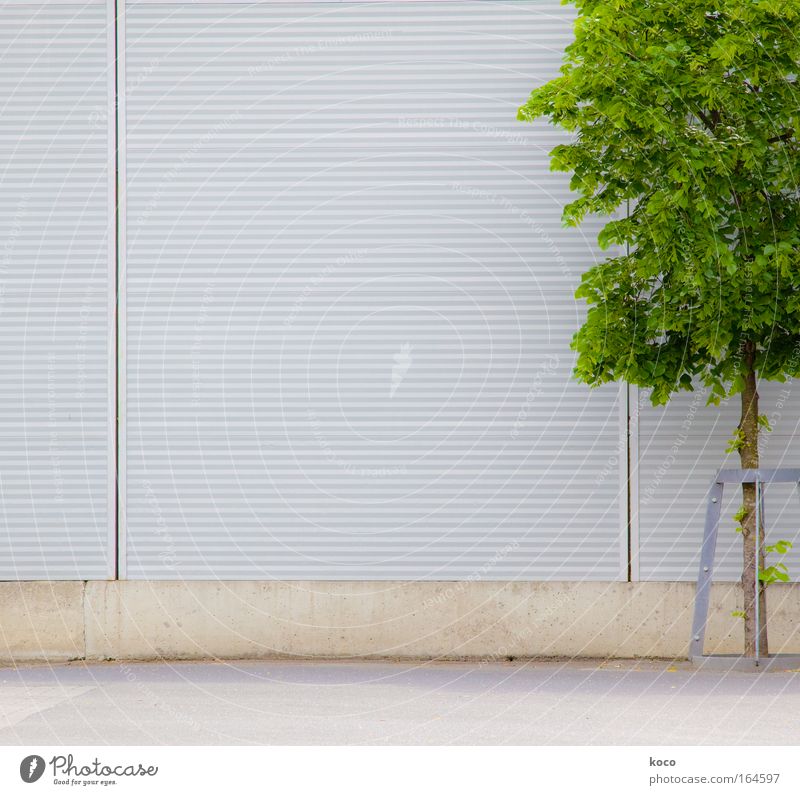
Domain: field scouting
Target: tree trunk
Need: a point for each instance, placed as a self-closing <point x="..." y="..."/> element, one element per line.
<point x="753" y="559"/>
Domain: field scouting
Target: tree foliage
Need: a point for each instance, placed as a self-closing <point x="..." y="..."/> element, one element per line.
<point x="685" y="117"/>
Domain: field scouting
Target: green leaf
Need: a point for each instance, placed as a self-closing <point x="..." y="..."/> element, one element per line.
<point x="779" y="547"/>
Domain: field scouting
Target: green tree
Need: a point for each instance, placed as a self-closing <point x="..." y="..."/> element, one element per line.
<point x="684" y="117"/>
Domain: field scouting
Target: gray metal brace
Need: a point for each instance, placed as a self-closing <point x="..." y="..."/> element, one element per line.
<point x="705" y="575"/>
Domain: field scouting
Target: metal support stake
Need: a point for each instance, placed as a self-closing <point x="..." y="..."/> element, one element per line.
<point x="758" y="571"/>
<point x="704" y="578"/>
<point x="760" y="477"/>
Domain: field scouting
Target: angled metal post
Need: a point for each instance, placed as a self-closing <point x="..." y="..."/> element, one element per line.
<point x="757" y="594"/>
<point x="730" y="662"/>
<point x="704" y="577"/>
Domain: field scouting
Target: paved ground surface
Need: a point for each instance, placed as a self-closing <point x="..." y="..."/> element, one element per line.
<point x="578" y="702"/>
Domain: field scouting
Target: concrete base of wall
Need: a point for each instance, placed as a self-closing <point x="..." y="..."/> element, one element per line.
<point x="488" y="620"/>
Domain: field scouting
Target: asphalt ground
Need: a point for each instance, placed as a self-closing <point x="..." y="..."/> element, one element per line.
<point x="576" y="702"/>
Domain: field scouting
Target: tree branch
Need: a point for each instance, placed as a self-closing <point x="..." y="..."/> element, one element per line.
<point x="788" y="135"/>
<point x="705" y="119"/>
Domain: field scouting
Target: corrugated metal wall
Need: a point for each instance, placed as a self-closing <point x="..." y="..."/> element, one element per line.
<point x="56" y="268"/>
<point x="680" y="448"/>
<point x="347" y="311"/>
<point x="349" y="300"/>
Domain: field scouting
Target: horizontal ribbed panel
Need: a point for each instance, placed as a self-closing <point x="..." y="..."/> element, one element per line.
<point x="54" y="280"/>
<point x="681" y="447"/>
<point x="350" y="303"/>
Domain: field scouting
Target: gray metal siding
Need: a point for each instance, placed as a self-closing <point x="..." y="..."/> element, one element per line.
<point x="348" y="309"/>
<point x="680" y="448"/>
<point x="56" y="450"/>
<point x="349" y="300"/>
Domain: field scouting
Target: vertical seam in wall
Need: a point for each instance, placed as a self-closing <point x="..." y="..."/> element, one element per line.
<point x="109" y="168"/>
<point x="120" y="211"/>
<point x="116" y="296"/>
